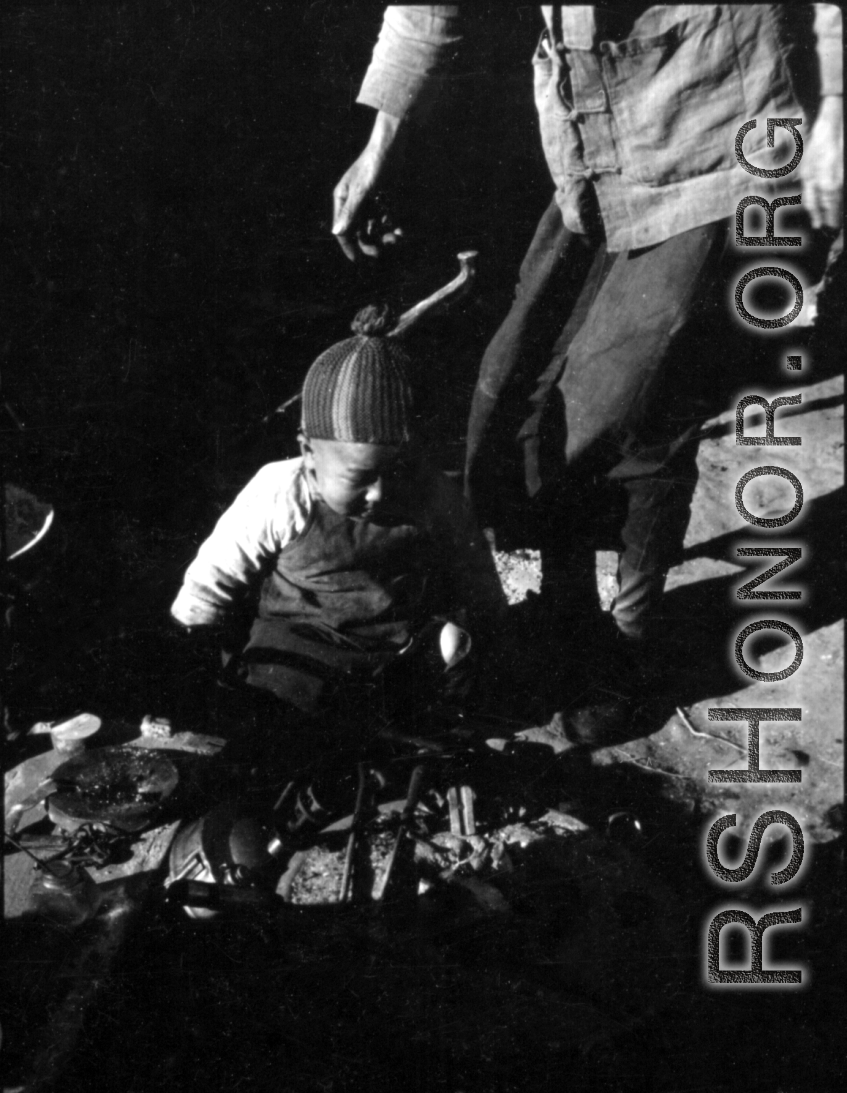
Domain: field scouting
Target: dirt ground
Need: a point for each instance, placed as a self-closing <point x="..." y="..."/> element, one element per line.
<point x="684" y="752"/>
<point x="171" y="276"/>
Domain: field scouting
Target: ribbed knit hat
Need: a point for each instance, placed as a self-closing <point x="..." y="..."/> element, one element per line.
<point x="358" y="390"/>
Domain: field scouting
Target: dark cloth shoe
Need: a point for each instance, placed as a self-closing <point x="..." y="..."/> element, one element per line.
<point x="611" y="677"/>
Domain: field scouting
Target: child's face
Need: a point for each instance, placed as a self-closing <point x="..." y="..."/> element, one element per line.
<point x="359" y="480"/>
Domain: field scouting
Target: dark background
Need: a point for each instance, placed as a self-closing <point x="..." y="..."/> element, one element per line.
<point x="169" y="275"/>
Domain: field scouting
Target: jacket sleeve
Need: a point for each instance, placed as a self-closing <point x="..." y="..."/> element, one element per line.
<point x="269" y="513"/>
<point x="415" y="45"/>
<point x="467" y="560"/>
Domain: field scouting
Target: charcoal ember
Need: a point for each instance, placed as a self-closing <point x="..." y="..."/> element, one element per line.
<point x="318" y="878"/>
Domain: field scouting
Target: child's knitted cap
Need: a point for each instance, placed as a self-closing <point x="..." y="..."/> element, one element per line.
<point x="359" y="390"/>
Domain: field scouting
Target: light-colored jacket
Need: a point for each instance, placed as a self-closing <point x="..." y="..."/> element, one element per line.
<point x="649" y="122"/>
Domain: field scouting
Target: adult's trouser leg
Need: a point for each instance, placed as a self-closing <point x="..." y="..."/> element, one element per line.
<point x="626" y="383"/>
<point x="624" y="372"/>
<point x="551" y="278"/>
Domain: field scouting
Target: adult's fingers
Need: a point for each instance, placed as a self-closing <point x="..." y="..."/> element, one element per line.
<point x="343" y="208"/>
<point x="346" y="244"/>
<point x="372" y="238"/>
<point x="344" y="215"/>
<point x="349" y="202"/>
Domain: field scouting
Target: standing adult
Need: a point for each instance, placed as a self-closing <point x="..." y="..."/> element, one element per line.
<point x="639" y="107"/>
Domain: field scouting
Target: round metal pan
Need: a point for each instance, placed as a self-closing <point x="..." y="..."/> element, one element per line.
<point x="121" y="786"/>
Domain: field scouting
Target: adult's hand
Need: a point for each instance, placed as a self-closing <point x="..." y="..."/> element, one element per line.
<point x="357" y="218"/>
<point x="822" y="166"/>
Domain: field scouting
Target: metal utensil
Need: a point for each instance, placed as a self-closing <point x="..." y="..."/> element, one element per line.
<point x="412" y="795"/>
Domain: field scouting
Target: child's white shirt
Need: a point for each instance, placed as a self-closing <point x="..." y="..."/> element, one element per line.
<point x="270" y="512"/>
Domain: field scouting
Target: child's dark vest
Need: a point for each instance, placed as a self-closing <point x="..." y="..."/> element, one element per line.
<point x="342" y="597"/>
<point x="365" y="580"/>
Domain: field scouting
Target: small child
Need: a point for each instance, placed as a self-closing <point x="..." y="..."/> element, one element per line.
<point x="354" y="552"/>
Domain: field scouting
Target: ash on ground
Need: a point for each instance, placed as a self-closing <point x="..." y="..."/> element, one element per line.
<point x="520" y="574"/>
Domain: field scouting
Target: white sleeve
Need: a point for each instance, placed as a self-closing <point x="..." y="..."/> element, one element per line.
<point x="415" y="44"/>
<point x="270" y="512"/>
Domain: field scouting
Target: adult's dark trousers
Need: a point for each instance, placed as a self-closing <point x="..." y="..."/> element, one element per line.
<point x="597" y="373"/>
